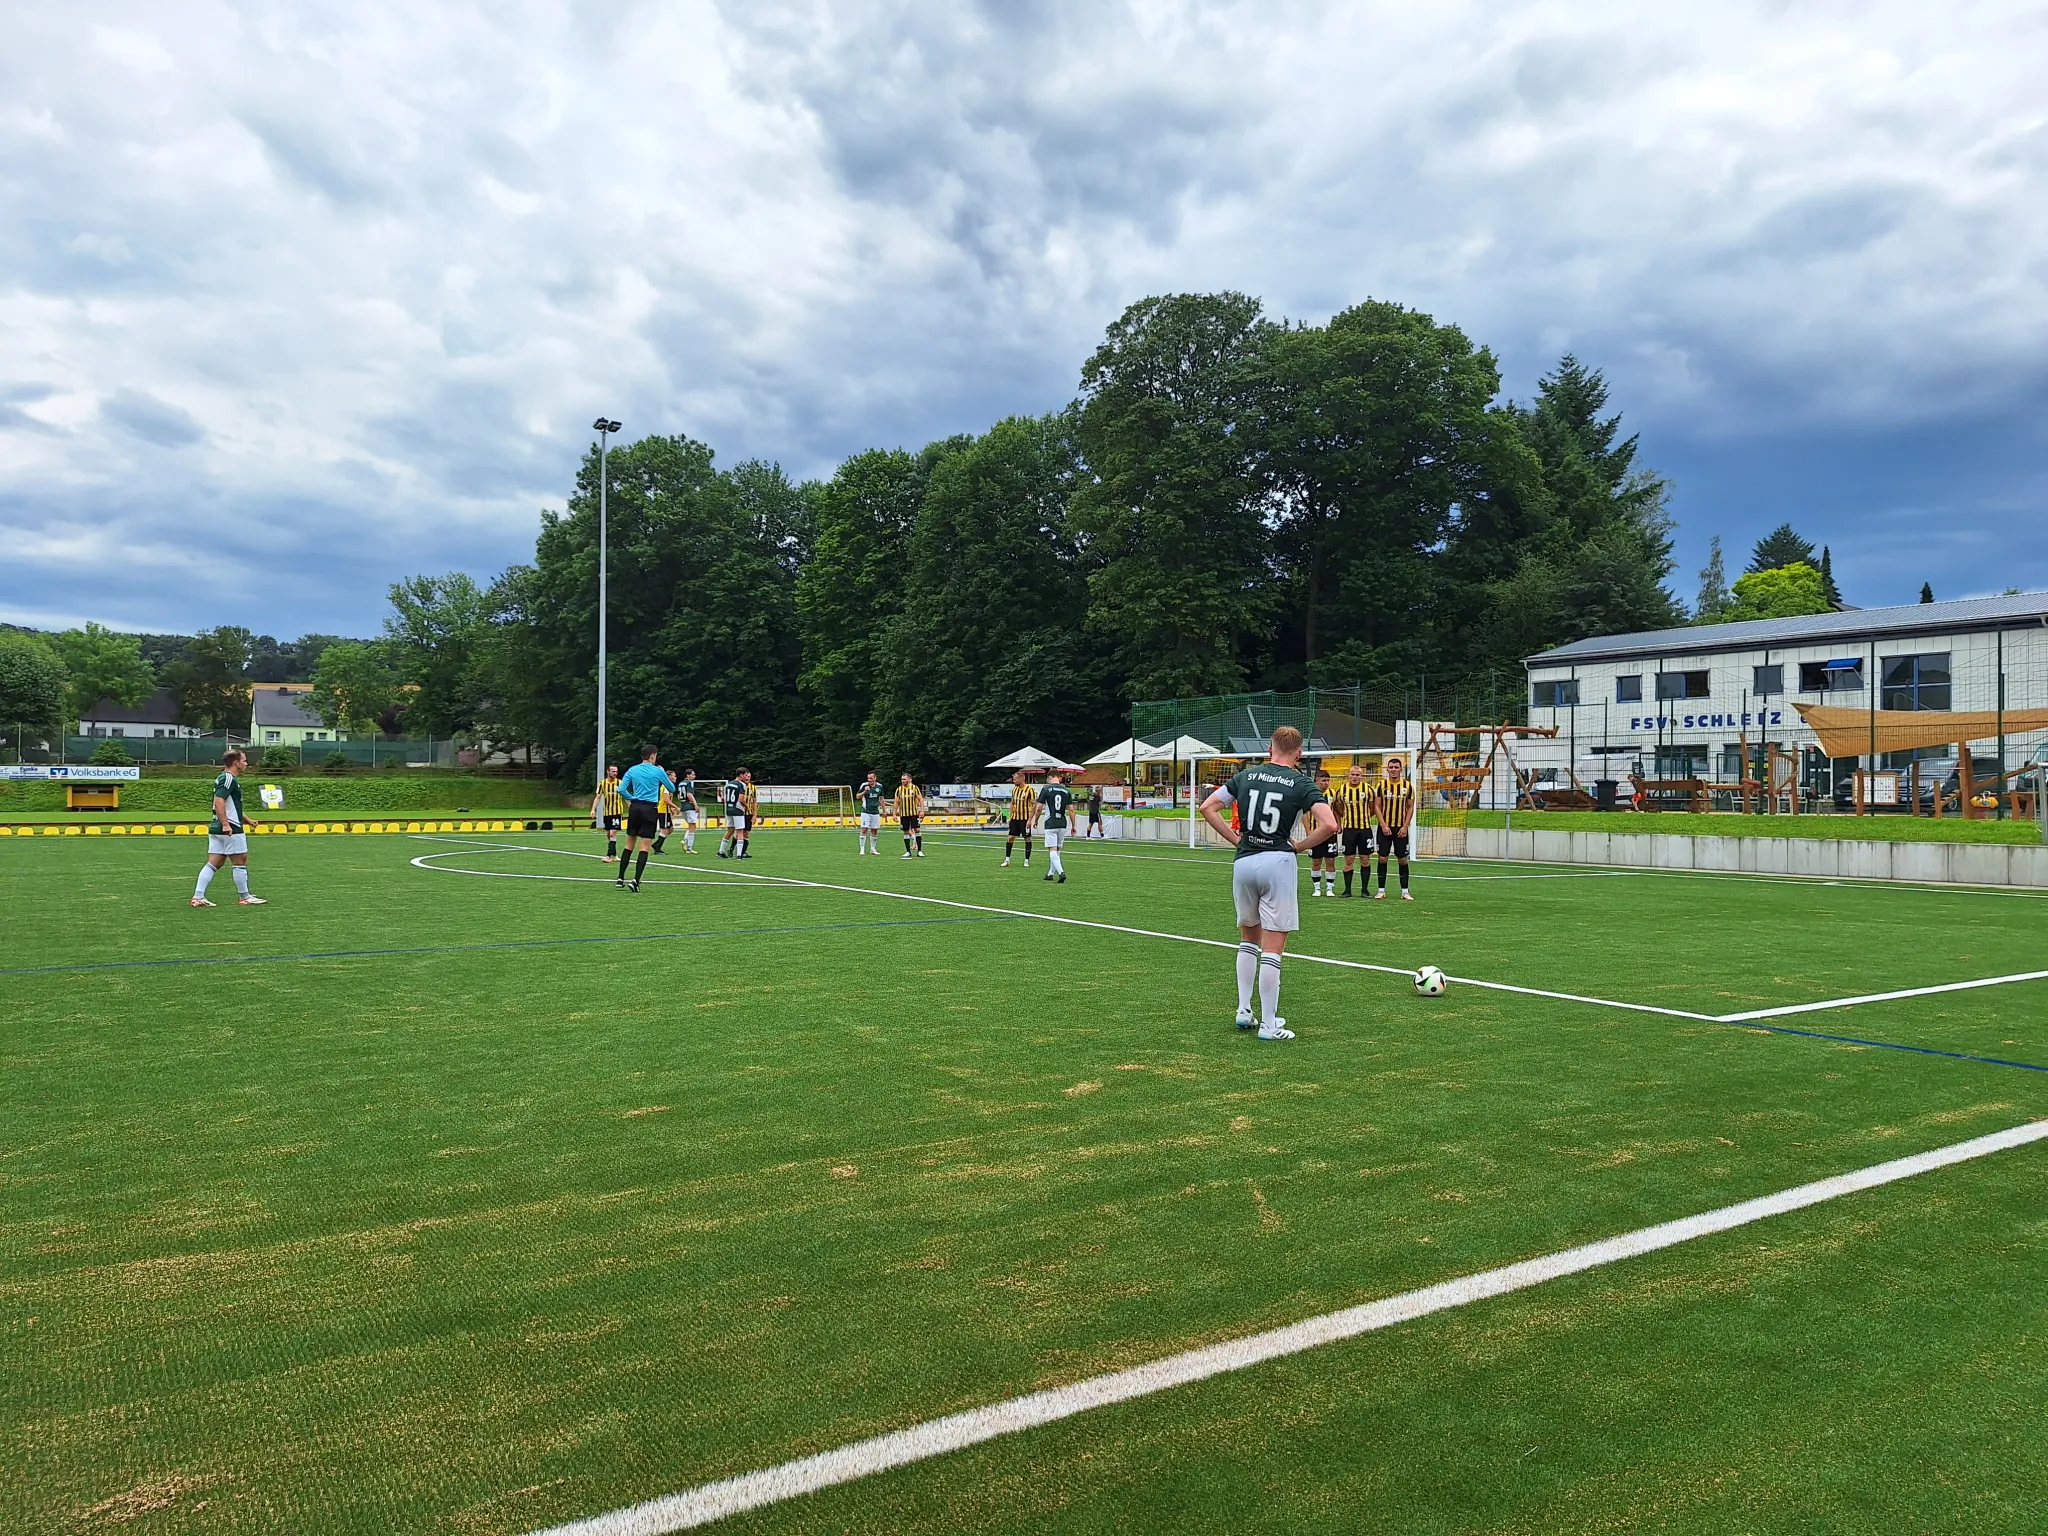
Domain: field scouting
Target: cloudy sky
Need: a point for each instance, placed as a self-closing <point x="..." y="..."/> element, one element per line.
<point x="299" y="299"/>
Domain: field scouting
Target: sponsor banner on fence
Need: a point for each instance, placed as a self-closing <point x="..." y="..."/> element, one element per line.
<point x="787" y="794"/>
<point x="85" y="773"/>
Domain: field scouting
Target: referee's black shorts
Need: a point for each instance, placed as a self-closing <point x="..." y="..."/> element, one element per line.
<point x="641" y="816"/>
<point x="1358" y="839"/>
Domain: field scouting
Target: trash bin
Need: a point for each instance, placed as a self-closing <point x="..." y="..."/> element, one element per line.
<point x="1603" y="793"/>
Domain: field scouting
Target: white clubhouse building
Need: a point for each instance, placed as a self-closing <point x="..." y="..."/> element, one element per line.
<point x="1682" y="703"/>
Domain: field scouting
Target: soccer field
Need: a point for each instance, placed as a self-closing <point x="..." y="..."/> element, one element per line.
<point x="458" y="1191"/>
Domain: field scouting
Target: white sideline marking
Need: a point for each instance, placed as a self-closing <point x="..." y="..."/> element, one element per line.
<point x="1882" y="997"/>
<point x="936" y="1437"/>
<point x="1182" y="938"/>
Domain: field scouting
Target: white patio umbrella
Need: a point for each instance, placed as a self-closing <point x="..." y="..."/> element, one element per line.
<point x="1125" y="752"/>
<point x="1031" y="757"/>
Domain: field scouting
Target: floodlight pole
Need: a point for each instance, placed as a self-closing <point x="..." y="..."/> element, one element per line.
<point x="604" y="429"/>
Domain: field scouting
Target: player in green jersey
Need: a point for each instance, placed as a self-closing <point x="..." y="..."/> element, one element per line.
<point x="868" y="800"/>
<point x="1054" y="800"/>
<point x="1271" y="799"/>
<point x="227" y="834"/>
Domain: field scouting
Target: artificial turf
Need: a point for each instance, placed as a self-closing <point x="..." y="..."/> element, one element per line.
<point x="418" y="1200"/>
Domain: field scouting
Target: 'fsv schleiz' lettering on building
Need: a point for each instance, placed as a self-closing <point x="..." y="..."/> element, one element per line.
<point x="1706" y="722"/>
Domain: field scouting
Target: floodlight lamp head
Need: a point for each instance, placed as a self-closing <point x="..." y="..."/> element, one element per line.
<point x="600" y="425"/>
<point x="614" y="426"/>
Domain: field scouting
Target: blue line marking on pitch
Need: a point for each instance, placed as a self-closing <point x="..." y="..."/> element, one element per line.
<point x="1890" y="1045"/>
<point x="450" y="949"/>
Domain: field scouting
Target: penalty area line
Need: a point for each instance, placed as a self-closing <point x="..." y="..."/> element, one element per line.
<point x="1751" y="1018"/>
<point x="715" y="1501"/>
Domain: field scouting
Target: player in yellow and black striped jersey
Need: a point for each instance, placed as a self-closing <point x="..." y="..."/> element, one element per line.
<point x="608" y="811"/>
<point x="1352" y="801"/>
<point x="910" y="815"/>
<point x="1393" y="796"/>
<point x="1023" y="814"/>
<point x="1322" y="859"/>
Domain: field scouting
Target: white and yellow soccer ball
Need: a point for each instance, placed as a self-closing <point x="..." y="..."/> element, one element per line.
<point x="1430" y="982"/>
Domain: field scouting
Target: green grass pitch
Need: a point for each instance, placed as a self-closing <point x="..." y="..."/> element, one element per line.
<point x="427" y="1200"/>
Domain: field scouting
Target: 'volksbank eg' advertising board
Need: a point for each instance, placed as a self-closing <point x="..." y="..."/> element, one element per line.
<point x="83" y="773"/>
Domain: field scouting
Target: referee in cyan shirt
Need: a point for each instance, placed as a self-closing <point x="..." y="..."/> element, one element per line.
<point x="643" y="787"/>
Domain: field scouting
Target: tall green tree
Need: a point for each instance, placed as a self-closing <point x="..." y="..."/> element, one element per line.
<point x="988" y="651"/>
<point x="1372" y="433"/>
<point x="1781" y="547"/>
<point x="1714" y="600"/>
<point x="1784" y="593"/>
<point x="1170" y="511"/>
<point x="1828" y="588"/>
<point x="431" y="635"/>
<point x="705" y="645"/>
<point x="851" y="588"/>
<point x="1601" y="553"/>
<point x="210" y="679"/>
<point x="357" y="686"/>
<point x="32" y="684"/>
<point x="103" y="664"/>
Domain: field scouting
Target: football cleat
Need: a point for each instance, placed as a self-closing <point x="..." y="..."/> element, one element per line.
<point x="1275" y="1029"/>
<point x="201" y="901"/>
<point x="251" y="901"/>
<point x="1048" y="874"/>
<point x="1245" y="1019"/>
<point x="907" y="853"/>
<point x="1380" y="894"/>
<point x="1063" y="877"/>
<point x="1407" y="895"/>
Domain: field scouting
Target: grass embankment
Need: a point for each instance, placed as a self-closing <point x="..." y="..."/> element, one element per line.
<point x="1873" y="829"/>
<point x="304" y="795"/>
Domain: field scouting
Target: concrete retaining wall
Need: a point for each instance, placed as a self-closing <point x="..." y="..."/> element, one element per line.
<point x="1933" y="863"/>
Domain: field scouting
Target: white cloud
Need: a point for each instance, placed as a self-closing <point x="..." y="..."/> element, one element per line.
<point x="332" y="294"/>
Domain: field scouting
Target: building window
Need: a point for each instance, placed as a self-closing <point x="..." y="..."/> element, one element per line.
<point x="1681" y="685"/>
<point x="1629" y="690"/>
<point x="1682" y="762"/>
<point x="1916" y="682"/>
<point x="1555" y="693"/>
<point x="1841" y="676"/>
<point x="271" y="735"/>
<point x="120" y="730"/>
<point x="1769" y="680"/>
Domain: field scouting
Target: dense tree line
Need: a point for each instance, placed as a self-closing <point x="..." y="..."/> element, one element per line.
<point x="1231" y="502"/>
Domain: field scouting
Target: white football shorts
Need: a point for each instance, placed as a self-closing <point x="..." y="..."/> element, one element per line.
<point x="1053" y="837"/>
<point x="1268" y="891"/>
<point x="234" y="842"/>
<point x="871" y="821"/>
<point x="689" y="817"/>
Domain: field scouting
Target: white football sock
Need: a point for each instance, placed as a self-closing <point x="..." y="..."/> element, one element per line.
<point x="205" y="879"/>
<point x="1247" y="975"/>
<point x="241" y="878"/>
<point x="1057" y="867"/>
<point x="1269" y="987"/>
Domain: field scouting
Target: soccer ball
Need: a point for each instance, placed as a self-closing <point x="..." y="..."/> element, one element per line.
<point x="1430" y="982"/>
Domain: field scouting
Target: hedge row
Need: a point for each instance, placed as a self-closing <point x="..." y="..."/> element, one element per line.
<point x="373" y="794"/>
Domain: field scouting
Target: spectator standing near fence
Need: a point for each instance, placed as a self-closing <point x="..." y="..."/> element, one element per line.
<point x="1095" y="811"/>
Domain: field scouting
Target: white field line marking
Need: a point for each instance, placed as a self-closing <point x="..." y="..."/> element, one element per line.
<point x="1351" y="965"/>
<point x="936" y="1437"/>
<point x="1882" y="997"/>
